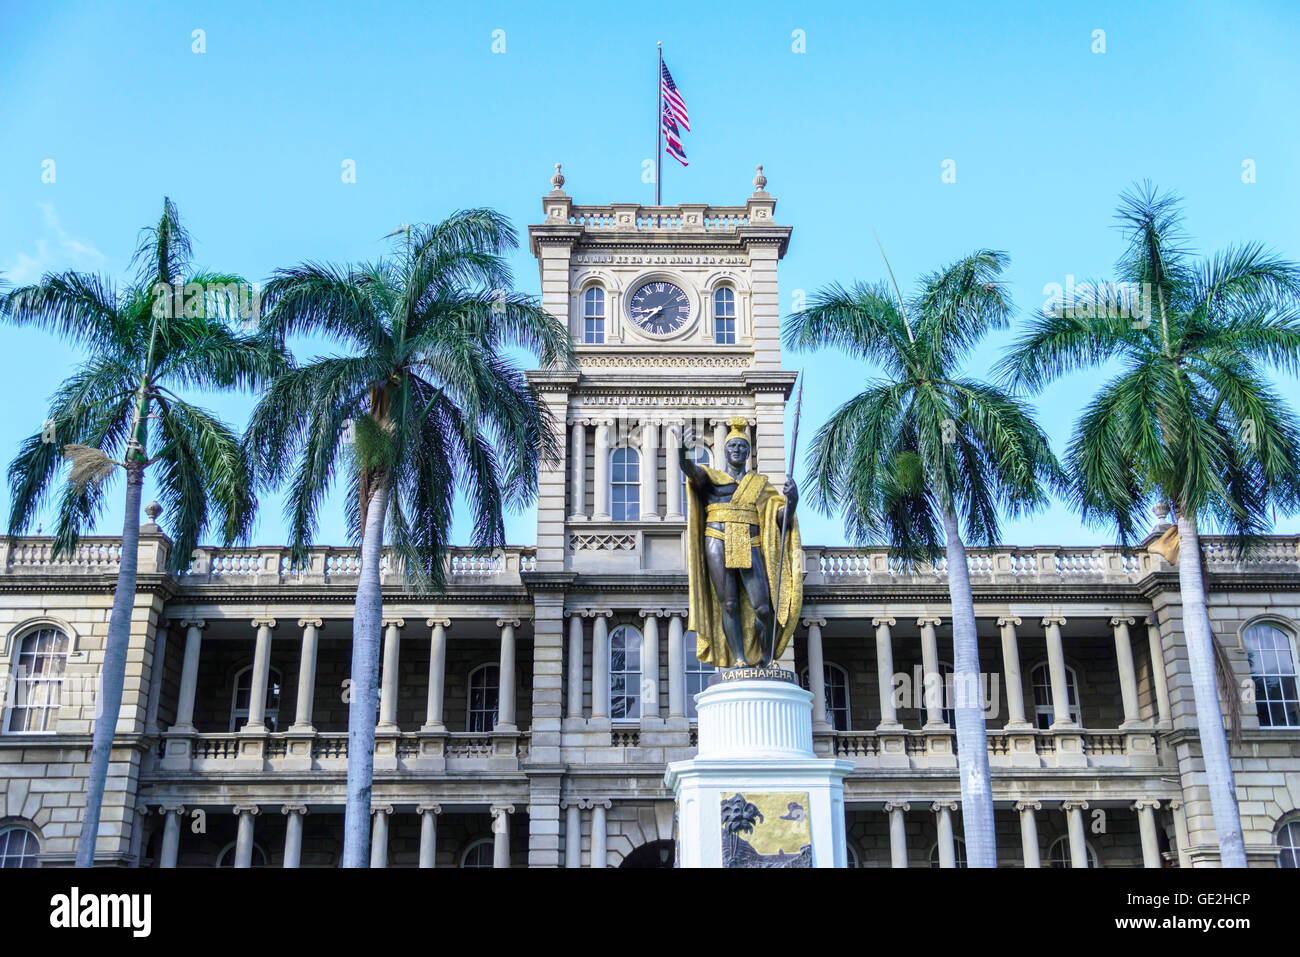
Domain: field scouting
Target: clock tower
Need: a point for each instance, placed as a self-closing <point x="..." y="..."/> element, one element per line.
<point x="676" y="319"/>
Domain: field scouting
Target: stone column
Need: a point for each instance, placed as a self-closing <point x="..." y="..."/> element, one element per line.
<point x="391" y="675"/>
<point x="947" y="845"/>
<point x="720" y="430"/>
<point x="600" y="474"/>
<point x="156" y="661"/>
<point x="244" y="834"/>
<point x="1011" y="677"/>
<point x="1128" y="688"/>
<point x="932" y="677"/>
<point x="437" y="674"/>
<point x="501" y="834"/>
<point x="306" y="676"/>
<point x="189" y="674"/>
<point x="576" y="640"/>
<point x="885" y="674"/>
<point x="1029" y="831"/>
<point x="506" y="692"/>
<point x="137" y="834"/>
<point x="379" y="835"/>
<point x="1146" y="811"/>
<point x="429" y="833"/>
<point x="677" y="653"/>
<point x="649" y="471"/>
<point x="600" y="666"/>
<point x="1181" y="835"/>
<point x="650" y="663"/>
<point x="674" y="510"/>
<point x="1158" y="675"/>
<point x="578" y="473"/>
<point x="294" y="813"/>
<point x="817" y="673"/>
<point x="897" y="832"/>
<point x="171" y="839"/>
<point x="572" y="833"/>
<point x="599" y="833"/>
<point x="261" y="675"/>
<point x="1056" y="667"/>
<point x="1078" y="843"/>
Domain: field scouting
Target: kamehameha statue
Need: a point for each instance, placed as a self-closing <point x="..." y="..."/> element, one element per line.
<point x="734" y="558"/>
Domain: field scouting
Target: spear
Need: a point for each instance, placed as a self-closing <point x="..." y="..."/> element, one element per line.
<point x="785" y="515"/>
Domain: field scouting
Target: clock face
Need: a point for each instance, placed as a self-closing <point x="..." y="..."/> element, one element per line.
<point x="660" y="308"/>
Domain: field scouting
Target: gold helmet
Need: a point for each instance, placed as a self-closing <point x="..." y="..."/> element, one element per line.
<point x="738" y="428"/>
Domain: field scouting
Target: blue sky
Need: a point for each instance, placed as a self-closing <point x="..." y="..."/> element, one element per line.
<point x="249" y="137"/>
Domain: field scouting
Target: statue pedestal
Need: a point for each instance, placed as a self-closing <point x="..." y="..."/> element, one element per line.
<point x="756" y="774"/>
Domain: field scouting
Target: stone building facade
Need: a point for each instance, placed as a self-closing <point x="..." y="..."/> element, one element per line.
<point x="527" y="714"/>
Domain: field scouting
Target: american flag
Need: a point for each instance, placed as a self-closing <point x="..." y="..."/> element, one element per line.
<point x="672" y="137"/>
<point x="674" y="114"/>
<point x="673" y="98"/>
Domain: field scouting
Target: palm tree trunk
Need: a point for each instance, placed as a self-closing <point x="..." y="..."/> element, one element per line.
<point x="1209" y="711"/>
<point x="968" y="707"/>
<point x="113" y="673"/>
<point x="367" y="622"/>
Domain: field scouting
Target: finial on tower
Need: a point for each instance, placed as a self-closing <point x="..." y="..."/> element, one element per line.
<point x="760" y="181"/>
<point x="557" y="179"/>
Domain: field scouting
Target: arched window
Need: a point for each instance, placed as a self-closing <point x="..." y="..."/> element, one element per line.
<point x="1288" y="839"/>
<point x="18" y="847"/>
<point x="1271" y="652"/>
<point x="1058" y="855"/>
<point x="478" y="854"/>
<point x="244" y="692"/>
<point x="625" y="674"/>
<point x="38" y="678"/>
<point x="1041" y="679"/>
<point x="697" y="673"/>
<point x="484" y="694"/>
<point x="850" y="854"/>
<point x="958" y="853"/>
<point x="593" y="315"/>
<point x="227" y="856"/>
<point x="837" y="694"/>
<point x="625" y="484"/>
<point x="696" y="455"/>
<point x="724" y="316"/>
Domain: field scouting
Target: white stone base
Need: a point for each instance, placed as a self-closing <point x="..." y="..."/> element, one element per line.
<point x="755" y="737"/>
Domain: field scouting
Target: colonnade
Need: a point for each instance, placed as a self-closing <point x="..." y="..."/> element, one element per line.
<point x="1076" y="827"/>
<point x="174" y="815"/>
<point x="1011" y="673"/>
<point x="673" y="622"/>
<point x="389" y="687"/>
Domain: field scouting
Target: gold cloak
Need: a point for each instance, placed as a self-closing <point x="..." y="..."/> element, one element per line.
<point x="705" y="609"/>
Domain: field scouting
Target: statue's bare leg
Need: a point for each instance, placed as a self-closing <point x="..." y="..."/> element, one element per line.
<point x="728" y="590"/>
<point x="754" y="579"/>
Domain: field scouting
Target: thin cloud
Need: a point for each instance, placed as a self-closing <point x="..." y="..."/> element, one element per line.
<point x="55" y="250"/>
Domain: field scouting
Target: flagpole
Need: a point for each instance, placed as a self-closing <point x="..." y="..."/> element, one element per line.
<point x="659" y="126"/>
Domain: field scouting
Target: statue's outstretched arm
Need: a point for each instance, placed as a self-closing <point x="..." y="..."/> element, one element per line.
<point x="694" y="474"/>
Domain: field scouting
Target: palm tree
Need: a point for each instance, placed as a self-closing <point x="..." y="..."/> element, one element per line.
<point x="920" y="454"/>
<point x="738" y="817"/>
<point x="423" y="401"/>
<point x="121" y="410"/>
<point x="1189" y="419"/>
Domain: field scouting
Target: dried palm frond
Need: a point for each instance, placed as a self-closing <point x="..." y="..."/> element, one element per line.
<point x="90" y="466"/>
